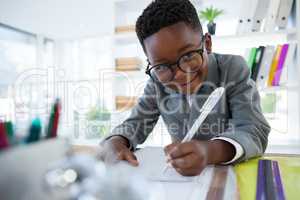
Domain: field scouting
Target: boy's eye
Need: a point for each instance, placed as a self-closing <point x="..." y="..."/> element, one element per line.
<point x="187" y="57"/>
<point x="161" y="68"/>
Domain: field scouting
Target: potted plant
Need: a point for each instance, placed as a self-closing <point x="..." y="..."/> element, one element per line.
<point x="98" y="120"/>
<point x="210" y="14"/>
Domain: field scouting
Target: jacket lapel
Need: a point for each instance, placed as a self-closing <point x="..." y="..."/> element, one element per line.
<point x="199" y="98"/>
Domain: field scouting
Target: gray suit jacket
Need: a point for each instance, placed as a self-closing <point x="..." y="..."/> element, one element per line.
<point x="237" y="116"/>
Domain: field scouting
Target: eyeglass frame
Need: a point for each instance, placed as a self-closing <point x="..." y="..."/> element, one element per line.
<point x="200" y="51"/>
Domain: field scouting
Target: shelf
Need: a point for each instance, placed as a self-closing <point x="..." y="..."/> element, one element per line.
<point x="277" y="89"/>
<point x="255" y="39"/>
<point x="230" y="41"/>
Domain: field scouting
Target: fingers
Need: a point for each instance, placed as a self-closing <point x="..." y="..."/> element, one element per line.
<point x="189" y="172"/>
<point x="185" y="162"/>
<point x="181" y="150"/>
<point x="169" y="147"/>
<point x="188" y="158"/>
<point x="115" y="150"/>
<point x="127" y="155"/>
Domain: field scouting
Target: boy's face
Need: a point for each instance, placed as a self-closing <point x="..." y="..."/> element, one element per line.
<point x="169" y="45"/>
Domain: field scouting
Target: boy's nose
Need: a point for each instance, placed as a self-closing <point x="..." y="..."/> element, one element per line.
<point x="178" y="74"/>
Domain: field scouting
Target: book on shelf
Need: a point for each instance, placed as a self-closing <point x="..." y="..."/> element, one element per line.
<point x="251" y="57"/>
<point x="125" y="29"/>
<point x="278" y="70"/>
<point x="128" y="61"/>
<point x="274" y="65"/>
<point x="127" y="68"/>
<point x="268" y="64"/>
<point x="128" y="64"/>
<point x="265" y="65"/>
<point x="125" y="102"/>
<point x="257" y="62"/>
<point x="288" y="63"/>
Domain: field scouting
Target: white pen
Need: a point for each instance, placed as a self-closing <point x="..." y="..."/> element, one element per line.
<point x="207" y="107"/>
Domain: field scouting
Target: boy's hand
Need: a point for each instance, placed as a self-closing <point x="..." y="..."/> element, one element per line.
<point x="188" y="158"/>
<point x="115" y="149"/>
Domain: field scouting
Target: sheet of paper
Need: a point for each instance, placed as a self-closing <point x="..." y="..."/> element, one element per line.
<point x="152" y="162"/>
<point x="172" y="185"/>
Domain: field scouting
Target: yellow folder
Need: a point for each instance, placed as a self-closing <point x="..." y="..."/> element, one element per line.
<point x="274" y="65"/>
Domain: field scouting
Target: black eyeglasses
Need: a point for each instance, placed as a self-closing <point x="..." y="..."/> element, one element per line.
<point x="189" y="62"/>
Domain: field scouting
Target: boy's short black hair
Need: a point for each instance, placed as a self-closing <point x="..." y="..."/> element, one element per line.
<point x="163" y="13"/>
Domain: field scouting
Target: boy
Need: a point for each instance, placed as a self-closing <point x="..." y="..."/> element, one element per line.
<point x="183" y="72"/>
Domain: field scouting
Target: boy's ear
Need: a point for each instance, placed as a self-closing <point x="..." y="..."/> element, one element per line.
<point x="208" y="43"/>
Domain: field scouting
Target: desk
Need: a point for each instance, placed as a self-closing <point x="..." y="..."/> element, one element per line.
<point x="290" y="173"/>
<point x="35" y="160"/>
<point x="22" y="169"/>
<point x="246" y="173"/>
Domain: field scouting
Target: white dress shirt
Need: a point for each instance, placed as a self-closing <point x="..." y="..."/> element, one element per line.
<point x="238" y="148"/>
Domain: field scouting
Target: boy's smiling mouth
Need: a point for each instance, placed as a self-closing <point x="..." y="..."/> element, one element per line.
<point x="188" y="83"/>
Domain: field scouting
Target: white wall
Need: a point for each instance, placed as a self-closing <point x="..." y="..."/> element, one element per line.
<point x="59" y="19"/>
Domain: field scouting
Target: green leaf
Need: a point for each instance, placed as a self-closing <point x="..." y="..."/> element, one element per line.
<point x="210" y="13"/>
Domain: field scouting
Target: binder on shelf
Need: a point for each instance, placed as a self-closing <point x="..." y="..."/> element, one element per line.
<point x="274" y="65"/>
<point x="128" y="64"/>
<point x="259" y="14"/>
<point x="284" y="11"/>
<point x="288" y="63"/>
<point x="125" y="29"/>
<point x="271" y="16"/>
<point x="265" y="66"/>
<point x="251" y="58"/>
<point x="257" y="63"/>
<point x="125" y="102"/>
<point x="279" y="68"/>
<point x="246" y="16"/>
